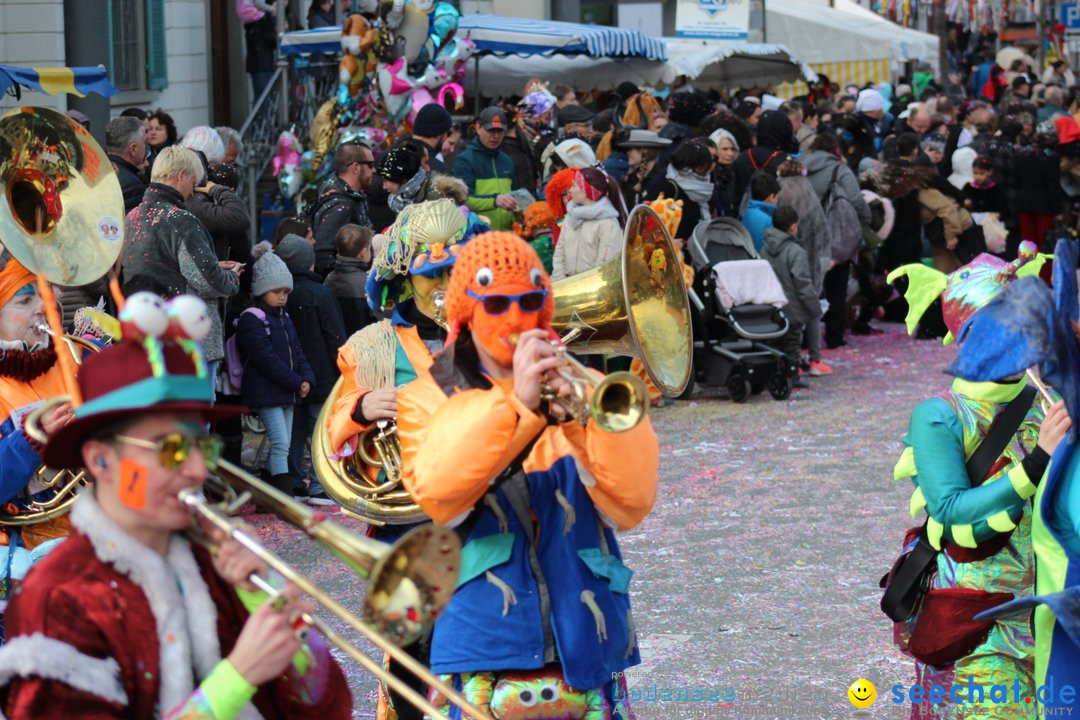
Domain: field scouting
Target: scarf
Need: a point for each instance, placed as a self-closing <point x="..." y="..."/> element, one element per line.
<point x="408" y="191"/>
<point x="24" y="364"/>
<point x="578" y="214"/>
<point x="697" y="187"/>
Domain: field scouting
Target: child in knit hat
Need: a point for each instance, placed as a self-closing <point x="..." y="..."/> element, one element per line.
<point x="276" y="372"/>
<point x="538" y="230"/>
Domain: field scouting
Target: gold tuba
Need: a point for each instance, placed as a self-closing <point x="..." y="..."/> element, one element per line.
<point x="635" y="305"/>
<point x="63" y="218"/>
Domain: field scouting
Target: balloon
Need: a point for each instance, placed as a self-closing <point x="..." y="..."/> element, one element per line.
<point x="288" y="154"/>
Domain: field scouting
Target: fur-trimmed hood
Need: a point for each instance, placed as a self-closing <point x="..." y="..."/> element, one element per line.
<point x="450" y="187"/>
<point x="897" y="178"/>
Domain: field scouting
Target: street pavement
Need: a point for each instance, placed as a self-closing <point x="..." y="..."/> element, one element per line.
<point x="756" y="575"/>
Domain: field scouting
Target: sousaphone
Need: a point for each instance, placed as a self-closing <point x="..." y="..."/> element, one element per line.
<point x="62" y="216"/>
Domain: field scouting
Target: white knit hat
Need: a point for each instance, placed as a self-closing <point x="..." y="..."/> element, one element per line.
<point x="869" y="101"/>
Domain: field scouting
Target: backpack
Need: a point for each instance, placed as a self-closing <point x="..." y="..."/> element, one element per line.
<point x="234" y="364"/>
<point x="247" y="12"/>
<point x="842" y="222"/>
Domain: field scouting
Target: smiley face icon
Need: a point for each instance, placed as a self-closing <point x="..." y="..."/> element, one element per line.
<point x="862" y="693"/>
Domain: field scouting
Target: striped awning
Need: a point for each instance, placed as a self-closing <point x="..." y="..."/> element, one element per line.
<point x="498" y="35"/>
<point x="854" y="72"/>
<point x="79" y="81"/>
<point x="495" y="34"/>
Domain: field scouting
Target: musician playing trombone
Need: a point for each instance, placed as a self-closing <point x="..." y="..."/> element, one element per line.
<point x="29" y="374"/>
<point x="127" y="618"/>
<point x="542" y="601"/>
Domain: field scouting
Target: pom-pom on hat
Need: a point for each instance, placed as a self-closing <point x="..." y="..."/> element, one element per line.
<point x="494" y="263"/>
<point x="269" y="271"/>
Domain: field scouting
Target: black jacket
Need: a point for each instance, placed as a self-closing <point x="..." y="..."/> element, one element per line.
<point x="131" y="182"/>
<point x="347" y="281"/>
<point x="315" y="313"/>
<point x="225" y="217"/>
<point x="337" y="206"/>
<point x="775" y="142"/>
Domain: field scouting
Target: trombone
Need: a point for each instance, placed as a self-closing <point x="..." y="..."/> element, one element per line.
<point x="410" y="582"/>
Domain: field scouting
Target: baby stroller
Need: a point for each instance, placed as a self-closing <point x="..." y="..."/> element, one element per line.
<point x="735" y="304"/>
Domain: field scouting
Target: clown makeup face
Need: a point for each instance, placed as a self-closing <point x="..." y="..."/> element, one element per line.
<point x="131" y="485"/>
<point x="578" y="196"/>
<point x="20" y="315"/>
<point x="423" y="289"/>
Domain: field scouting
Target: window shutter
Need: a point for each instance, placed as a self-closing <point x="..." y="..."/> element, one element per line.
<point x="109" y="41"/>
<point x="157" y="72"/>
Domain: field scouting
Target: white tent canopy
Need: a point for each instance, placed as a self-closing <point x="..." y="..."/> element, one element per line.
<point x="706" y="63"/>
<point x="846" y="32"/>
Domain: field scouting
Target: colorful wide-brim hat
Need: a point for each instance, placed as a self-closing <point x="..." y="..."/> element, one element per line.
<point x="964" y="290"/>
<point x="425" y="240"/>
<point x="135" y="378"/>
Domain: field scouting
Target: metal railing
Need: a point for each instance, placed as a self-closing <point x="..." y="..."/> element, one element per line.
<point x="291" y="100"/>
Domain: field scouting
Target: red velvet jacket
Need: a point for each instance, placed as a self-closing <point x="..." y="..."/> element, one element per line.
<point x="106" y="628"/>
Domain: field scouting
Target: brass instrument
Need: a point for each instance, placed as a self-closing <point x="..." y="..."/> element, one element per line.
<point x="617" y="402"/>
<point x="62" y="218"/>
<point x="409" y="583"/>
<point x="634" y="305"/>
<point x="65" y="484"/>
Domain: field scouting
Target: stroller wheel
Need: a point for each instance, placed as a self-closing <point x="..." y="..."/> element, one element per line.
<point x="738" y="388"/>
<point x="780" y="386"/>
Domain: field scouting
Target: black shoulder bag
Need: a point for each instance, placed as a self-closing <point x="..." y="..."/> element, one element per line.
<point x="909" y="579"/>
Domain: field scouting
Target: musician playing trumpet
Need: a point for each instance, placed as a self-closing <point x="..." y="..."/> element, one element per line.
<point x="128" y="619"/>
<point x="29" y="374"/>
<point x="543" y="596"/>
<point x="409" y="274"/>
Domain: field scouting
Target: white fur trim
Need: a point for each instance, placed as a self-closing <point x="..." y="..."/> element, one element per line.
<point x="184" y="613"/>
<point x="45" y="657"/>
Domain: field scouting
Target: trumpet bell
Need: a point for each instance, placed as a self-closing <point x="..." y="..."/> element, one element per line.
<point x="634" y="305"/>
<point x="63" y="215"/>
<point x="619" y="402"/>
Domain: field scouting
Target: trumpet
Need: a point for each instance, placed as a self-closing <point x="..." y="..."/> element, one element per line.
<point x="409" y="582"/>
<point x="617" y="402"/>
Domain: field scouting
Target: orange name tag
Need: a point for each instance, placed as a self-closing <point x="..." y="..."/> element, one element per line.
<point x="133" y="478"/>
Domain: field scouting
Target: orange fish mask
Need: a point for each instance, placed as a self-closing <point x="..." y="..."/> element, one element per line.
<point x="498" y="290"/>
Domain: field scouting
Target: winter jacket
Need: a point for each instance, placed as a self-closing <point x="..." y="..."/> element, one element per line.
<point x="437" y="186"/>
<point x="1036" y="180"/>
<point x="805" y="137"/>
<point x="984" y="199"/>
<point x="225" y="216"/>
<point x="862" y="138"/>
<point x="775" y="142"/>
<point x="261" y="44"/>
<point x="338" y="205"/>
<point x="792" y="268"/>
<point x="168" y="243"/>
<point x="819" y="171"/>
<point x="347" y="281"/>
<point x="317" y="317"/>
<point x="814" y="235"/>
<point x="274" y="362"/>
<point x="955" y="219"/>
<point x="590" y="235"/>
<point x="488" y="174"/>
<point x="526" y="159"/>
<point x="757" y="218"/>
<point x="131" y="182"/>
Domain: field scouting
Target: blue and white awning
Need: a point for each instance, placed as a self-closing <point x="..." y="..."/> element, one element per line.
<point x="498" y="35"/>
